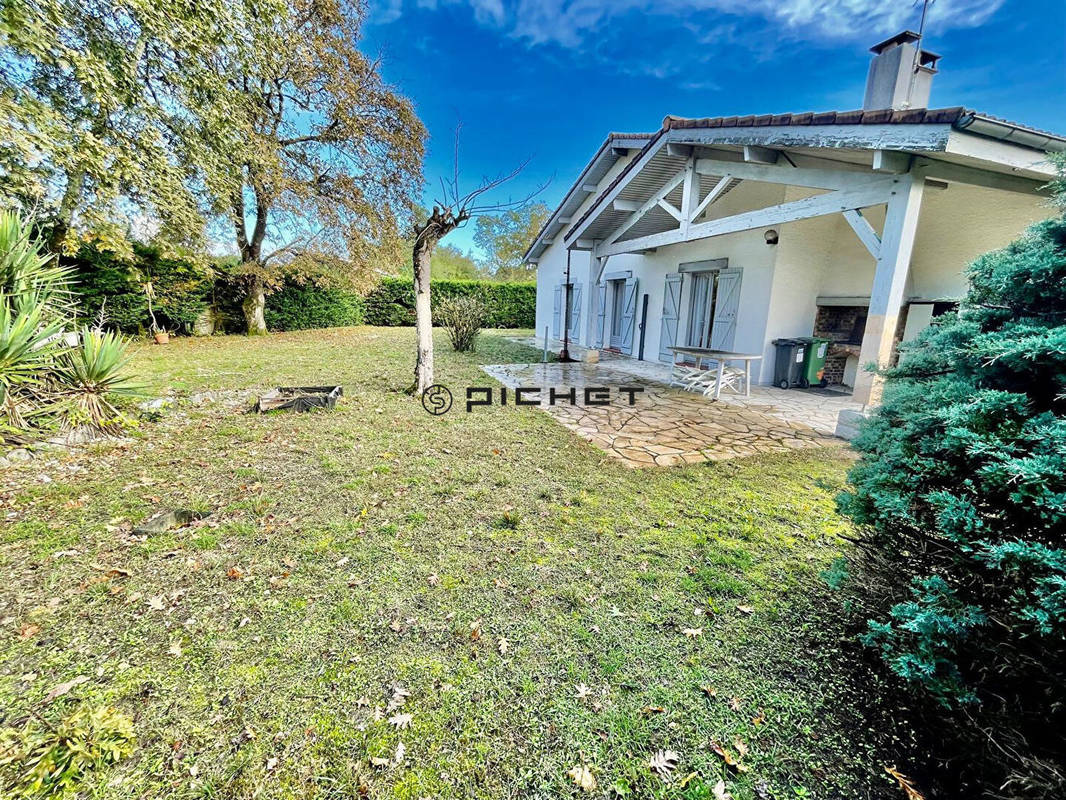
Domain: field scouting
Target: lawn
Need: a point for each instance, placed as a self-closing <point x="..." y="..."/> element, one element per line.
<point x="386" y="603"/>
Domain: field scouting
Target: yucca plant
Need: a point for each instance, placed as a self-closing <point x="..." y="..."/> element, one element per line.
<point x="89" y="376"/>
<point x="44" y="381"/>
<point x="27" y="350"/>
<point x="29" y="277"/>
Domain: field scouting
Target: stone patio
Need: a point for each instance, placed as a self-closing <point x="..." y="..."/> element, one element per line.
<point x="667" y="426"/>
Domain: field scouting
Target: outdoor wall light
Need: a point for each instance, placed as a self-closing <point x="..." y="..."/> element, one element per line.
<point x="770" y="236"/>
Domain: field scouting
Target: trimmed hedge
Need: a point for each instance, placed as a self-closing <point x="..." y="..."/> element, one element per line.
<point x="509" y="305"/>
<point x="297" y="308"/>
<point x="184" y="290"/>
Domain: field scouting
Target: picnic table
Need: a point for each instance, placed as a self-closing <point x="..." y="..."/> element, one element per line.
<point x="707" y="370"/>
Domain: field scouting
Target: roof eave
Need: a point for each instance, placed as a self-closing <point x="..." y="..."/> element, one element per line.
<point x="604" y="151"/>
<point x="1004" y="131"/>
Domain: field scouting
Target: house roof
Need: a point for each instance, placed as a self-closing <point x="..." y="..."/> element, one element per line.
<point x="605" y="157"/>
<point x="793" y="129"/>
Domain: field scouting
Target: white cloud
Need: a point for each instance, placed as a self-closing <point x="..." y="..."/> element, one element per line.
<point x="571" y="23"/>
<point x="665" y="38"/>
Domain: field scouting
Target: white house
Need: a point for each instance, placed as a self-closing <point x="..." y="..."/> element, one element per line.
<point x="732" y="232"/>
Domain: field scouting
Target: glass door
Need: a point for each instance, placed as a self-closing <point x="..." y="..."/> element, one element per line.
<point x="701" y="308"/>
<point x="618" y="293"/>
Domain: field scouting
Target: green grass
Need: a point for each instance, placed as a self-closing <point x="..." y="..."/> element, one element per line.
<point x="356" y="551"/>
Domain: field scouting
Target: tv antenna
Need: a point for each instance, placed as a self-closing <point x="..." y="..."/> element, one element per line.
<point x="917" y="65"/>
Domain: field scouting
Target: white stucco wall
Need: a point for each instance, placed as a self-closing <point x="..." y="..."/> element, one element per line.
<point x="746" y="251"/>
<point x="551" y="267"/>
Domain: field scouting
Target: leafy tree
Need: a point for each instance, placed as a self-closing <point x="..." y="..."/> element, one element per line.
<point x="504" y="238"/>
<point x="963" y="486"/>
<point x="452" y="264"/>
<point x="94" y="112"/>
<point x="319" y="177"/>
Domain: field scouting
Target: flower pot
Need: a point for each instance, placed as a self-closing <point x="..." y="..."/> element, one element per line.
<point x="162" y="337"/>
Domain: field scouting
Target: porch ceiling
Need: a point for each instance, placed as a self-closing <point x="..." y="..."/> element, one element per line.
<point x="642" y="187"/>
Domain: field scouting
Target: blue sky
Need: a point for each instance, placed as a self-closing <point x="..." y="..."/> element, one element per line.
<point x="548" y="79"/>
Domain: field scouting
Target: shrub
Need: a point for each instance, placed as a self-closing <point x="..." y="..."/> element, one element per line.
<point x="962" y="484"/>
<point x="49" y="761"/>
<point x="297" y="307"/>
<point x="464" y="318"/>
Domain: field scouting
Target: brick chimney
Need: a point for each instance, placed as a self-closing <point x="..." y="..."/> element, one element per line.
<point x="900" y="74"/>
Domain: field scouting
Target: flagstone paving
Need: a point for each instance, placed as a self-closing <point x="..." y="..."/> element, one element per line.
<point x="665" y="426"/>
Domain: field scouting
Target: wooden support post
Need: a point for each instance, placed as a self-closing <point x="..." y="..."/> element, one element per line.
<point x="690" y="194"/>
<point x="890" y="280"/>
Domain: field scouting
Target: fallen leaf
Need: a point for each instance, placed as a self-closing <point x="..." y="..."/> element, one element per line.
<point x="272" y="764"/>
<point x="647" y="711"/>
<point x="475" y="630"/>
<point x="692" y="633"/>
<point x="582" y="691"/>
<point x="905" y="783"/>
<point x="745" y="609"/>
<point x="342" y="561"/>
<point x="401" y="751"/>
<point x="111" y="572"/>
<point x="720" y="792"/>
<point x="29" y="631"/>
<point x="664" y="762"/>
<point x="401" y="721"/>
<point x="582" y="776"/>
<point x="740" y="745"/>
<point x="433" y="579"/>
<point x="735" y="703"/>
<point x="503" y="646"/>
<point x="63" y="688"/>
<point x="759" y="718"/>
<point x="727" y="757"/>
<point x="398" y="698"/>
<point x="709" y="690"/>
<point x="377" y="761"/>
<point x="175" y="649"/>
<point x="234" y="573"/>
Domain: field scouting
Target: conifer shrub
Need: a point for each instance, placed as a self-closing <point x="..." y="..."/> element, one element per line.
<point x="961" y="488"/>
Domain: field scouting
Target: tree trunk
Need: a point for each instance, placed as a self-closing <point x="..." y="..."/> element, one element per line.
<point x="65" y="213"/>
<point x="422" y="254"/>
<point x="254" y="307"/>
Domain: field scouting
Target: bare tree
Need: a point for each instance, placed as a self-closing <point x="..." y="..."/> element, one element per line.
<point x="450" y="211"/>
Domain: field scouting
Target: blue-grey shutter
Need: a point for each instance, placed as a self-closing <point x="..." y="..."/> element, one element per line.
<point x="726" y="305"/>
<point x="557" y="312"/>
<point x="629" y="315"/>
<point x="671" y="314"/>
<point x="601" y="313"/>
<point x="575" y="311"/>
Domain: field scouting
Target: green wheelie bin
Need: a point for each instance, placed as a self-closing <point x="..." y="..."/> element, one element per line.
<point x="813" y="371"/>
